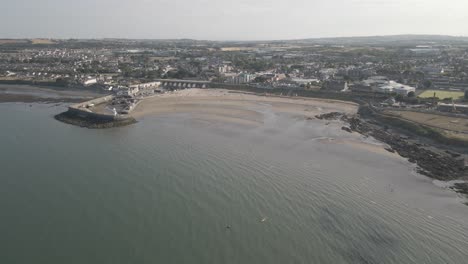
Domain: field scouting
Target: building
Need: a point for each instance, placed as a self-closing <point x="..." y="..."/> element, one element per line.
<point x="458" y="108"/>
<point x="361" y="87"/>
<point x="89" y="82"/>
<point x="128" y="91"/>
<point x="224" y="68"/>
<point x="394" y="87"/>
<point x="381" y="84"/>
<point x="241" y="78"/>
<point x="404" y="90"/>
<point x="149" y="85"/>
<point x="335" y="85"/>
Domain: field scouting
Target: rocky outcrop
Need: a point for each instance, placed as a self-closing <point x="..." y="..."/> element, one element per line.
<point x="347" y="129"/>
<point x="436" y="164"/>
<point x="431" y="162"/>
<point x="330" y="116"/>
<point x="460" y="188"/>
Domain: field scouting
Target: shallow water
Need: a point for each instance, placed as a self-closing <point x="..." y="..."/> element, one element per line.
<point x="165" y="189"/>
<point x="45" y="92"/>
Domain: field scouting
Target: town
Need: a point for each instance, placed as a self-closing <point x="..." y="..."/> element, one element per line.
<point x="408" y="68"/>
<point x="422" y="79"/>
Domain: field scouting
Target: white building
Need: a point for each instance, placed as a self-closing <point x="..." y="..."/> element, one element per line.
<point x="127" y="91"/>
<point x="404" y="90"/>
<point x="149" y="85"/>
<point x="90" y="82"/>
<point x="241" y="78"/>
<point x="224" y="68"/>
<point x="394" y="87"/>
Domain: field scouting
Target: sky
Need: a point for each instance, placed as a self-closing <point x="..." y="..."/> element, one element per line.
<point x="230" y="19"/>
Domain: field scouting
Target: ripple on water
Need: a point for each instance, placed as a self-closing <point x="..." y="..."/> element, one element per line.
<point x="165" y="190"/>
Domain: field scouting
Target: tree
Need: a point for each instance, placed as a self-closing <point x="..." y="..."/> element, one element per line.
<point x="260" y="79"/>
<point x="62" y="81"/>
<point x="427" y="84"/>
<point x="399" y="98"/>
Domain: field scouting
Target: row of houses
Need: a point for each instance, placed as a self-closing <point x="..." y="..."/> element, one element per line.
<point x="134" y="89"/>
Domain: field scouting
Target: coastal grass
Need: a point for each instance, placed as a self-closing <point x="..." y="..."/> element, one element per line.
<point x="438" y="135"/>
<point x="444" y="122"/>
<point x="441" y="94"/>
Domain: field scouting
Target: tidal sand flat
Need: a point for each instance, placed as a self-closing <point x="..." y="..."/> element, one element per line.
<point x="235" y="106"/>
<point x="31" y="94"/>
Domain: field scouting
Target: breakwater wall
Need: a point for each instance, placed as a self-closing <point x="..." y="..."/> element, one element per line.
<point x="82" y="110"/>
<point x="80" y="115"/>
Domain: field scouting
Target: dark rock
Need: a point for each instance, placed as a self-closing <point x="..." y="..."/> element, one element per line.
<point x="347" y="129"/>
<point x="461" y="187"/>
<point x="436" y="165"/>
<point x="330" y="116"/>
<point x="390" y="150"/>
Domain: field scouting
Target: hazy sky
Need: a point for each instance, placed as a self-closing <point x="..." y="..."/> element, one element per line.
<point x="230" y="19"/>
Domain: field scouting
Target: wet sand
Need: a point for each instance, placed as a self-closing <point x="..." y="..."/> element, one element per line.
<point x="245" y="108"/>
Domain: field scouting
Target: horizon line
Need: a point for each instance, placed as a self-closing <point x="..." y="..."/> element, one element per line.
<point x="236" y="40"/>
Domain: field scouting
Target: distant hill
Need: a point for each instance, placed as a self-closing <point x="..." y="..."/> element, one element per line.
<point x="393" y="39"/>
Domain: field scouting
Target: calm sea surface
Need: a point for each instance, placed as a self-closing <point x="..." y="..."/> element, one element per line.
<point x="165" y="190"/>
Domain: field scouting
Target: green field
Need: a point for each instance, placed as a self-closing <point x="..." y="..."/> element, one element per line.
<point x="441" y="94"/>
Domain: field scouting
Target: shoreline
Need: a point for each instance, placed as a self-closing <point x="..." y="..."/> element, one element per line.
<point x="245" y="108"/>
<point x="434" y="163"/>
<point x="437" y="164"/>
<point x="227" y="103"/>
<point x="445" y="164"/>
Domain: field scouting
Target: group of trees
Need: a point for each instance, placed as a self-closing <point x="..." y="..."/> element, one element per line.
<point x="260" y="79"/>
<point x="179" y="74"/>
<point x="410" y="99"/>
<point x="249" y="63"/>
<point x="128" y="71"/>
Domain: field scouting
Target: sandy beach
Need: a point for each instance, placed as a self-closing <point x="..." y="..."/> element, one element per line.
<point x="247" y="109"/>
<point x="224" y="105"/>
